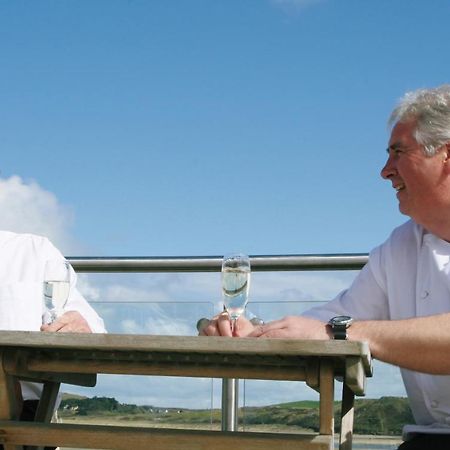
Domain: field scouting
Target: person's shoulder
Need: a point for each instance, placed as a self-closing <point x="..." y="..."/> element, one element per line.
<point x="23" y="239"/>
<point x="407" y="232"/>
<point x="403" y="242"/>
<point x="402" y="237"/>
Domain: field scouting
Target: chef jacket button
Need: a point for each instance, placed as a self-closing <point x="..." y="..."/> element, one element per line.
<point x="424" y="294"/>
<point x="434" y="404"/>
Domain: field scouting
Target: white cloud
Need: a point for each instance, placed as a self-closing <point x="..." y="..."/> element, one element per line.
<point x="89" y="290"/>
<point x="162" y="325"/>
<point x="28" y="208"/>
<point x="118" y="293"/>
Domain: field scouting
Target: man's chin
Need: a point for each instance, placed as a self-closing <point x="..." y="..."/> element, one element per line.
<point x="404" y="209"/>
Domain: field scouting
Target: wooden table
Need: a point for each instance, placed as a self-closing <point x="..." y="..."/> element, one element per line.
<point x="78" y="358"/>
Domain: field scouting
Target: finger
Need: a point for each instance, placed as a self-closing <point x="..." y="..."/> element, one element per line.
<point x="202" y="324"/>
<point x="75" y="326"/>
<point x="211" y="329"/>
<point x="257" y="331"/>
<point x="266" y="327"/>
<point x="224" y="325"/>
<point x="243" y="327"/>
<point x="279" y="333"/>
<point x="53" y="327"/>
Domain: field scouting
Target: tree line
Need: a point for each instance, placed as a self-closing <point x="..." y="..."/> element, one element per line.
<point x="383" y="416"/>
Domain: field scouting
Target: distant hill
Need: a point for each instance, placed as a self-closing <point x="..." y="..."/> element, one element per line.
<point x="68" y="395"/>
<point x="383" y="416"/>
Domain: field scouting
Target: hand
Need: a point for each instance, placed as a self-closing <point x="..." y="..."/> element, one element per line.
<point x="69" y="322"/>
<point x="220" y="325"/>
<point x="292" y="327"/>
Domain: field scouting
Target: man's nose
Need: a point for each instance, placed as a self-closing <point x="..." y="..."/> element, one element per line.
<point x="389" y="169"/>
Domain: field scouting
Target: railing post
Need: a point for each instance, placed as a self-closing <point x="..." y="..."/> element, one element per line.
<point x="230" y="402"/>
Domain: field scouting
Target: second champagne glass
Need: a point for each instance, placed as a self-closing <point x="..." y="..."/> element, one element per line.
<point x="235" y="285"/>
<point x="56" y="287"/>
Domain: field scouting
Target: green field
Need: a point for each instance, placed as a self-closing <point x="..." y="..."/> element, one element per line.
<point x="385" y="416"/>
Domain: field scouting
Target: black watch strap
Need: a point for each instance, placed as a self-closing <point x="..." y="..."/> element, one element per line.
<point x="339" y="325"/>
<point x="339" y="333"/>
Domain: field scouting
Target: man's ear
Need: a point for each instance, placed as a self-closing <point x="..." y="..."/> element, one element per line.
<point x="447" y="149"/>
<point x="446" y="156"/>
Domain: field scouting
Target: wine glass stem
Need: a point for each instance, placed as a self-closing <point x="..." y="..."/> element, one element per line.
<point x="233" y="326"/>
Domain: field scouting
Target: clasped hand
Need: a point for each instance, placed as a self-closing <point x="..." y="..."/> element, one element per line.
<point x="290" y="327"/>
<point x="69" y="322"/>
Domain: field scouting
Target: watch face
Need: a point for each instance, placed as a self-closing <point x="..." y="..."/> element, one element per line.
<point x="341" y="320"/>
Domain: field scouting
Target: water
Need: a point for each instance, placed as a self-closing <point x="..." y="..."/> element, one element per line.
<point x="373" y="445"/>
<point x="56" y="294"/>
<point x="235" y="287"/>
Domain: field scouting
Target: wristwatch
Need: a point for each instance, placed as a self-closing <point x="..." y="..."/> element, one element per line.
<point x="339" y="325"/>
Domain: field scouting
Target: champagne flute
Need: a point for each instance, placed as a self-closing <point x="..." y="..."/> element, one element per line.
<point x="235" y="285"/>
<point x="56" y="288"/>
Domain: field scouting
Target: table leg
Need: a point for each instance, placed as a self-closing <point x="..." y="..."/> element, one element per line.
<point x="47" y="403"/>
<point x="347" y="413"/>
<point x="326" y="412"/>
<point x="10" y="400"/>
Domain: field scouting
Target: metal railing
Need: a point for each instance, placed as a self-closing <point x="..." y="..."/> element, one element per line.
<point x="259" y="263"/>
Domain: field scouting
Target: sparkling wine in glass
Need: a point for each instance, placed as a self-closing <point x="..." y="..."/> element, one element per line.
<point x="235" y="285"/>
<point x="56" y="288"/>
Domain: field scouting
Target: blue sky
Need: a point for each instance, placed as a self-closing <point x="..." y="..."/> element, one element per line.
<point x="156" y="128"/>
<point x="199" y="127"/>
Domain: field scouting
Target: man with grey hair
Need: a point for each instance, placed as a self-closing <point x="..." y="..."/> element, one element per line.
<point x="400" y="301"/>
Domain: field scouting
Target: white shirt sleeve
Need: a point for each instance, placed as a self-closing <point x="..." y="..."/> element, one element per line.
<point x="365" y="299"/>
<point x="77" y="302"/>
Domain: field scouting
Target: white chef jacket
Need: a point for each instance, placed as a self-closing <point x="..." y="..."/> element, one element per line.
<point x="407" y="276"/>
<point x="22" y="262"/>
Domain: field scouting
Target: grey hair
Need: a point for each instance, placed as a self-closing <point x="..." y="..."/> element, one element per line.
<point x="430" y="108"/>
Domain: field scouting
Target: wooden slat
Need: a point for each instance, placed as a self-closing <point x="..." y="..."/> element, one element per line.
<point x="167" y="369"/>
<point x="78" y="379"/>
<point x="30" y="355"/>
<point x="15" y="363"/>
<point x="125" y="438"/>
<point x="195" y="344"/>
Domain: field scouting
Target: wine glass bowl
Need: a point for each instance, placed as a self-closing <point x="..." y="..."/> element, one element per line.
<point x="56" y="288"/>
<point x="235" y="285"/>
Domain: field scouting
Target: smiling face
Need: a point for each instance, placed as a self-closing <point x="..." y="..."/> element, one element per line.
<point x="421" y="181"/>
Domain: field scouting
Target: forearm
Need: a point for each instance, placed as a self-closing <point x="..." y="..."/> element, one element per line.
<point x="421" y="344"/>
